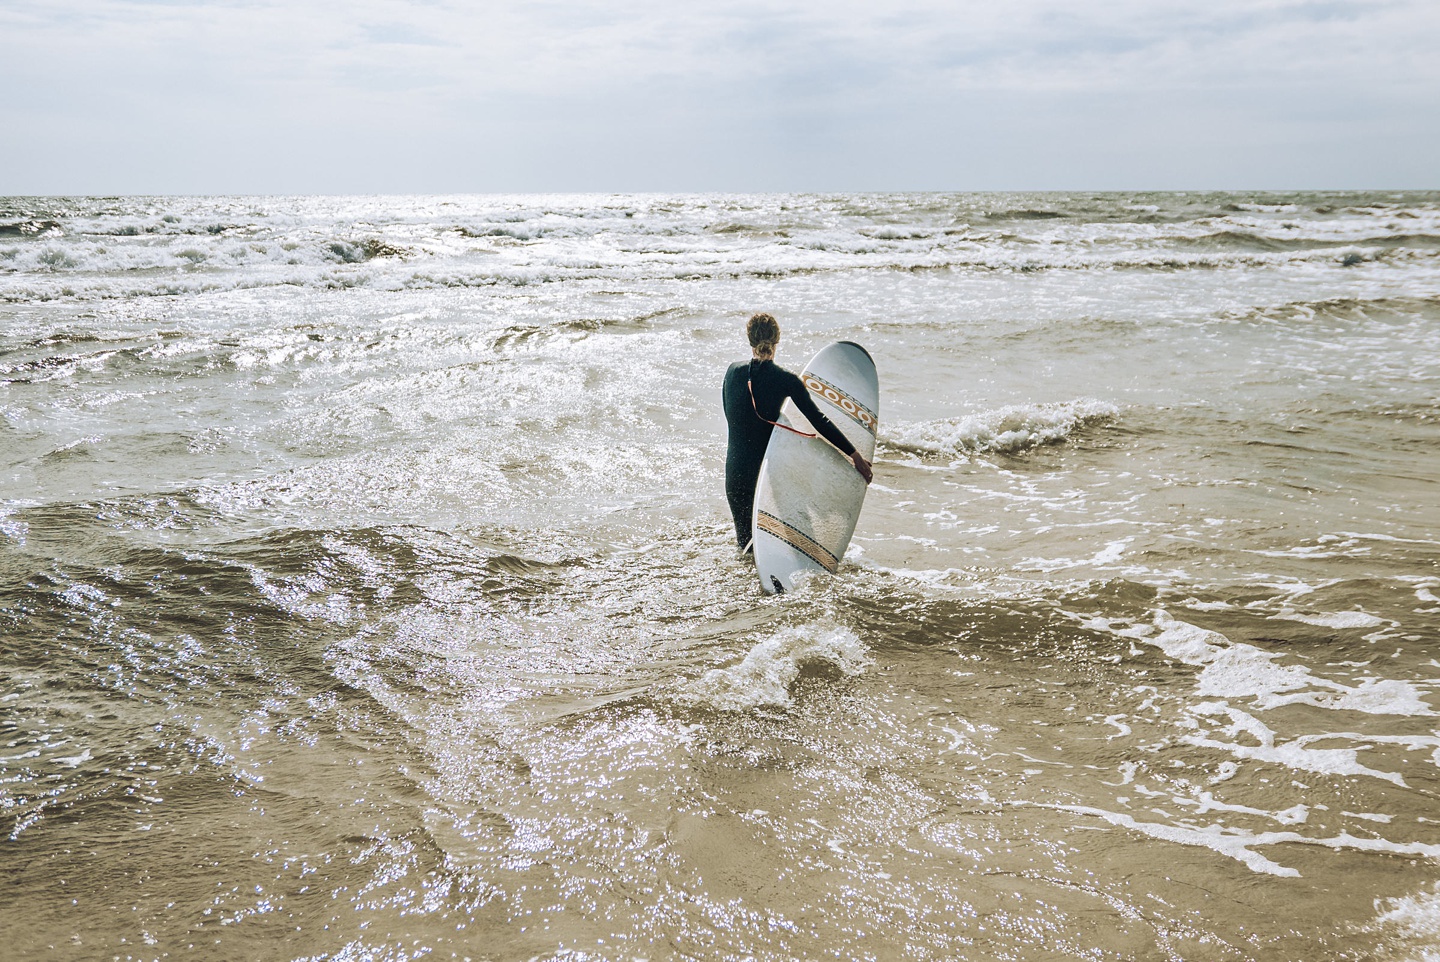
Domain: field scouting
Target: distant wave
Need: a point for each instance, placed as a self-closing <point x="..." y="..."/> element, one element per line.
<point x="1025" y="214"/>
<point x="519" y="336"/>
<point x="31" y="228"/>
<point x="70" y="275"/>
<point x="1239" y="240"/>
<point x="103" y="249"/>
<point x="1405" y="309"/>
<point x="1004" y="430"/>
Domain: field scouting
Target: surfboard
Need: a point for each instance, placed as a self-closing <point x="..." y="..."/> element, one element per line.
<point x="809" y="495"/>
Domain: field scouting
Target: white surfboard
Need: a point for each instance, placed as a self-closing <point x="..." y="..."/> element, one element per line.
<point x="809" y="494"/>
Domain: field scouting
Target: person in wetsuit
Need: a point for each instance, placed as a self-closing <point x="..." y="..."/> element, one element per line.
<point x="753" y="393"/>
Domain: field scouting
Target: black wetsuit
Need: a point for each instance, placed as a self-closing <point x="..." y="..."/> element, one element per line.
<point x="749" y="434"/>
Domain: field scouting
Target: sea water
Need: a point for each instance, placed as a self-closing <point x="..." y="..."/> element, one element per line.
<point x="367" y="587"/>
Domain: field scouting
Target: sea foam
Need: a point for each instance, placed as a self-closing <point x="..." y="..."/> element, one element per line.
<point x="1238" y="670"/>
<point x="1410" y="926"/>
<point x="1240" y="844"/>
<point x="764" y="677"/>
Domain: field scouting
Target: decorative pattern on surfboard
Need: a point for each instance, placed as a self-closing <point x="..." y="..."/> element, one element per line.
<point x="854" y="409"/>
<point x="796" y="539"/>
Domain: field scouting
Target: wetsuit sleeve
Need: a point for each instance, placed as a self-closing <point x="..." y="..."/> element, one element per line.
<point x="819" y="421"/>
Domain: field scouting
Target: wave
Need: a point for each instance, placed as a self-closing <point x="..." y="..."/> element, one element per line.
<point x="1025" y="214"/>
<point x="768" y="672"/>
<point x="93" y="257"/>
<point x="1418" y="414"/>
<point x="96" y="250"/>
<point x="319" y="575"/>
<point x="1006" y="430"/>
<point x="60" y="275"/>
<point x="169" y="354"/>
<point x="31" y="228"/>
<point x="519" y="336"/>
<point x="1240" y="240"/>
<point x="1404" y="309"/>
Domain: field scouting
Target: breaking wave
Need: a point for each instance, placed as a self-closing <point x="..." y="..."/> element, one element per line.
<point x="1006" y="430"/>
<point x="764" y="678"/>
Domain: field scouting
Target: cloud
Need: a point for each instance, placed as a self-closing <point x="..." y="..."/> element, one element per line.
<point x="637" y="93"/>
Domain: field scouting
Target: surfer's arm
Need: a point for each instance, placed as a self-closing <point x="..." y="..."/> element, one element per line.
<point x="819" y="421"/>
<point x="829" y="431"/>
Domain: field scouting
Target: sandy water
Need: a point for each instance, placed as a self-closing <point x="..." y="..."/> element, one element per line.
<point x="366" y="588"/>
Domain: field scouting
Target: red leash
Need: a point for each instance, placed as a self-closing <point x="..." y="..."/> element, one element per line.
<point x="749" y="384"/>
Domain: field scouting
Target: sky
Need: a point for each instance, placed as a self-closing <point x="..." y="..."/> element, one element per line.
<point x="447" y="96"/>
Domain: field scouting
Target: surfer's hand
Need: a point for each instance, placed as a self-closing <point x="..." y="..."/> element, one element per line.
<point x="862" y="466"/>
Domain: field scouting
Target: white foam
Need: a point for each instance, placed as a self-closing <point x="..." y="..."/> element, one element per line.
<point x="74" y="761"/>
<point x="1334" y="619"/>
<point x="1414" y="922"/>
<point x="1106" y="556"/>
<point x="1294" y="754"/>
<point x="1198" y="605"/>
<point x="1237" y="670"/>
<point x="1371" y="817"/>
<point x="1240" y="844"/>
<point x="1206" y="802"/>
<point x="764" y="677"/>
<point x="1224" y="772"/>
<point x="1122" y="729"/>
<point x="1007" y="429"/>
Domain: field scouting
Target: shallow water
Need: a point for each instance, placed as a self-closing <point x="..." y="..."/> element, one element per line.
<point x="366" y="585"/>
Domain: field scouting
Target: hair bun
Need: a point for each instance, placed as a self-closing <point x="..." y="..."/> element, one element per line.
<point x="763" y="331"/>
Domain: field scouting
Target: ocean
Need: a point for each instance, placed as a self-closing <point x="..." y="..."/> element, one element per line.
<point x="367" y="585"/>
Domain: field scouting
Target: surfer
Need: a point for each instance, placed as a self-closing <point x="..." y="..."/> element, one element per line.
<point x="753" y="394"/>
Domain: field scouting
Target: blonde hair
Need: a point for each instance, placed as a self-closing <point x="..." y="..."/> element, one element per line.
<point x="764" y="333"/>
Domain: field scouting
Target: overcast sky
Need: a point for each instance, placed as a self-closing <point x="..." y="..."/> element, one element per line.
<point x="404" y="96"/>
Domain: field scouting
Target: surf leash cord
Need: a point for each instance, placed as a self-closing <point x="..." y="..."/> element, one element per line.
<point x="750" y="386"/>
